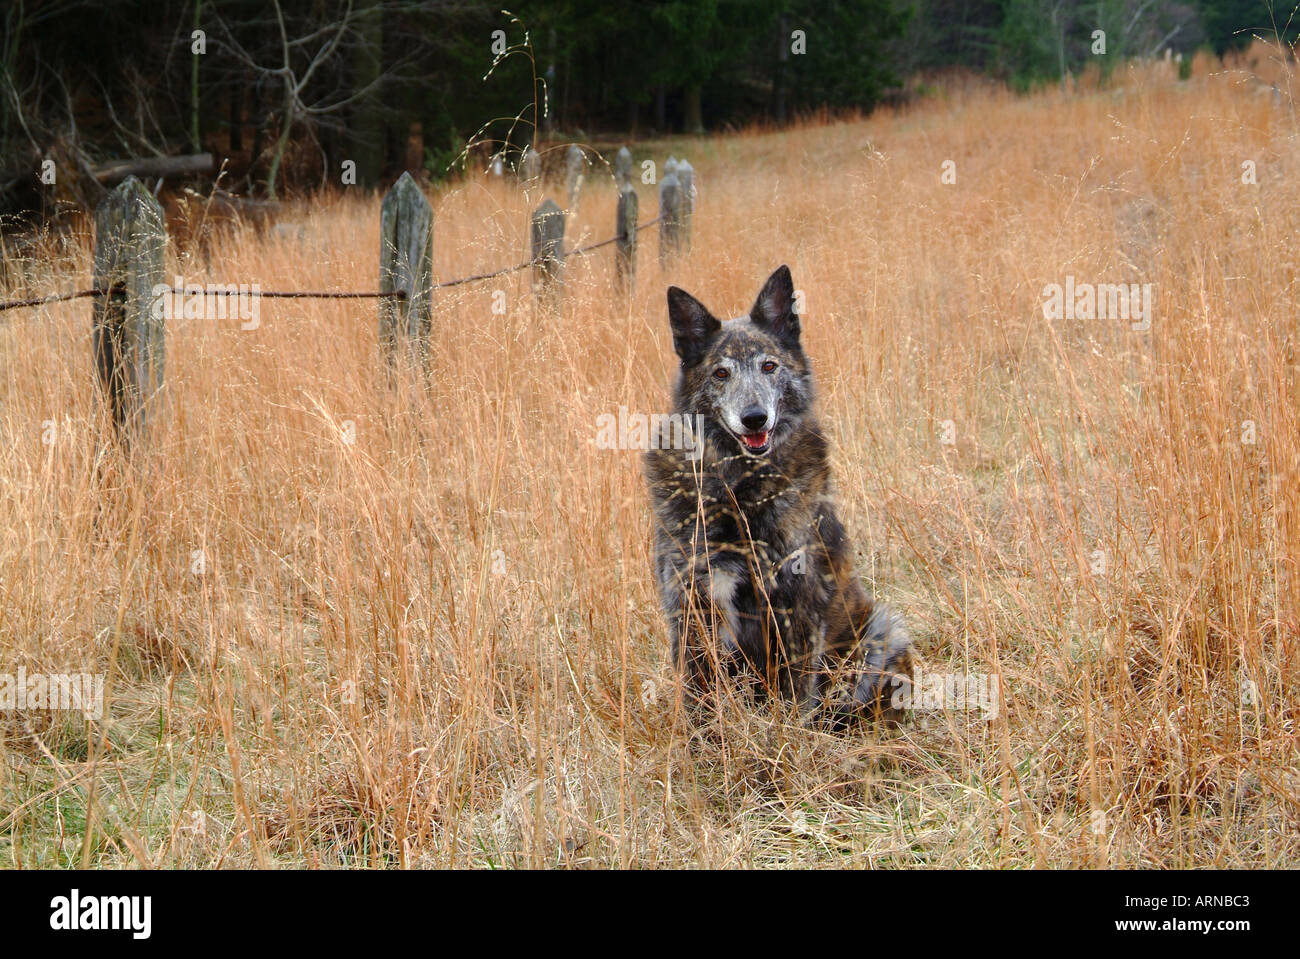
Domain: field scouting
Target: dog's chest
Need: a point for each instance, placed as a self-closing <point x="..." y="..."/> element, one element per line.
<point x="760" y="554"/>
<point x="756" y="512"/>
<point x="759" y="501"/>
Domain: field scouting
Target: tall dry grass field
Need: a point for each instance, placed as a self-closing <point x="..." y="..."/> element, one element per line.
<point x="349" y="624"/>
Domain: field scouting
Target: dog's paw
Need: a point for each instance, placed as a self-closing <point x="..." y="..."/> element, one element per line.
<point x="887" y="662"/>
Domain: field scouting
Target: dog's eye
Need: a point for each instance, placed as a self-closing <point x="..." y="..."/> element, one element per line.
<point x="769" y="367"/>
<point x="721" y="373"/>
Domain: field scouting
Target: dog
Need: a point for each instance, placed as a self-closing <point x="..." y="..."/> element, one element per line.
<point x="753" y="565"/>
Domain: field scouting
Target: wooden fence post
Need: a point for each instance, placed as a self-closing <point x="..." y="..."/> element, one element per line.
<point x="670" y="204"/>
<point x="548" y="249"/>
<point x="575" y="164"/>
<point x="129" y="321"/>
<point x="625" y="247"/>
<point x="686" y="182"/>
<point x="530" y="166"/>
<point x="405" y="265"/>
<point x="622" y="168"/>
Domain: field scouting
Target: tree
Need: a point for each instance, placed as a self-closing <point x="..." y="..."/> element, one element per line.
<point x="846" y="60"/>
<point x="1232" y="24"/>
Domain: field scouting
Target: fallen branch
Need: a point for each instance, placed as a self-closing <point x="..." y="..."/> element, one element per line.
<point x="153" y="166"/>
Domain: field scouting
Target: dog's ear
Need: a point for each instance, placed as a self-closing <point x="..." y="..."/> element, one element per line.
<point x="774" y="308"/>
<point x="693" y="325"/>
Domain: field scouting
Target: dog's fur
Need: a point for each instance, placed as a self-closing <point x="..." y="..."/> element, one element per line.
<point x="753" y="565"/>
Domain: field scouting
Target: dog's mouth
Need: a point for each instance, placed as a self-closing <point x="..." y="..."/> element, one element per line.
<point x="757" y="442"/>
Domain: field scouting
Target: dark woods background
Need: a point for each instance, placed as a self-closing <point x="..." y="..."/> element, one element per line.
<point x="284" y="93"/>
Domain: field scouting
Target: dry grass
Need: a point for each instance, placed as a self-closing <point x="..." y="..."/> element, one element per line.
<point x="439" y="645"/>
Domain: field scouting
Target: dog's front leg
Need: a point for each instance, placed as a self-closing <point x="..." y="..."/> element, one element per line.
<point x="694" y="647"/>
<point x="795" y="653"/>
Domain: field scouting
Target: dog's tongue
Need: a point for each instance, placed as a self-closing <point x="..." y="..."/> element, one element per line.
<point x="755" y="441"/>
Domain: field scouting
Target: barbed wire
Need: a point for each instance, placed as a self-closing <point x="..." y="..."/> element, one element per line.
<point x="329" y="295"/>
<point x="52" y="298"/>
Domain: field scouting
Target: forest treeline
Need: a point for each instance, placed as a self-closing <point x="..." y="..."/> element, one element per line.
<point x="285" y="93"/>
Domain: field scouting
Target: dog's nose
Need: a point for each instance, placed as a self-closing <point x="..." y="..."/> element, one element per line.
<point x="754" y="418"/>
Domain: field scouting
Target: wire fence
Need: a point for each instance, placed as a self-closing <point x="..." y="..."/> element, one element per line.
<point x="330" y="295"/>
<point x="131" y="243"/>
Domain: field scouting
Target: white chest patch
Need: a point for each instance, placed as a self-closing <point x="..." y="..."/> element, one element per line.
<point x="722" y="590"/>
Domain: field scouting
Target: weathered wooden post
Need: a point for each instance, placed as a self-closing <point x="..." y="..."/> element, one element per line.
<point x="405" y="266"/>
<point x="685" y="174"/>
<point x="548" y="250"/>
<point x="530" y="167"/>
<point x="670" y="204"/>
<point x="625" y="246"/>
<point x="575" y="164"/>
<point x="622" y="168"/>
<point x="129" y="320"/>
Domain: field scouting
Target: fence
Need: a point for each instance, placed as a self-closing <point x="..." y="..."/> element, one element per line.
<point x="131" y="240"/>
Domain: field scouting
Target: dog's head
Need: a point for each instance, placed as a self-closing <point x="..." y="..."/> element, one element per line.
<point x="748" y="375"/>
